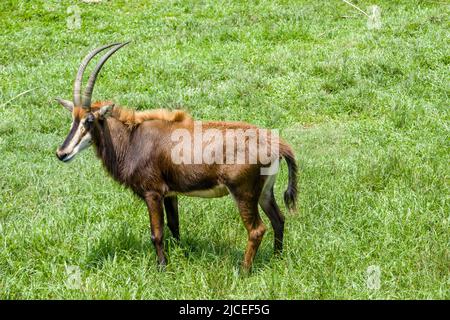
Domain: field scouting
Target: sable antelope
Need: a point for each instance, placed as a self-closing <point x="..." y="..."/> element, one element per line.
<point x="136" y="149"/>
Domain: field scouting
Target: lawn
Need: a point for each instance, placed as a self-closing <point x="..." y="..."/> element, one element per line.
<point x="366" y="110"/>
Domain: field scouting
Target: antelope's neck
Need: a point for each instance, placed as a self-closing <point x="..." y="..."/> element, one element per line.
<point x="111" y="139"/>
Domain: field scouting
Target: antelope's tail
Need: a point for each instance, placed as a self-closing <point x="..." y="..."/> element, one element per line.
<point x="290" y="195"/>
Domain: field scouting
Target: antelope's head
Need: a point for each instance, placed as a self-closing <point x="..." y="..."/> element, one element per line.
<point x="83" y="116"/>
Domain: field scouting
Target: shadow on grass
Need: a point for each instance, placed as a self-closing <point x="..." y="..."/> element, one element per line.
<point x="213" y="250"/>
<point x="114" y="244"/>
<point x="126" y="242"/>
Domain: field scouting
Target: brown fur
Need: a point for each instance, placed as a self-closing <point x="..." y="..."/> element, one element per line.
<point x="135" y="148"/>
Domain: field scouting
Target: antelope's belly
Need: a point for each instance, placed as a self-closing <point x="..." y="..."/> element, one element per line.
<point x="216" y="192"/>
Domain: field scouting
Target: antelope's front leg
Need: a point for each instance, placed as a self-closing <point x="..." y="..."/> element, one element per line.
<point x="173" y="222"/>
<point x="155" y="210"/>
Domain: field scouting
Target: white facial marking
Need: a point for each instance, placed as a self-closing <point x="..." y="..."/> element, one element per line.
<point x="84" y="143"/>
<point x="80" y="141"/>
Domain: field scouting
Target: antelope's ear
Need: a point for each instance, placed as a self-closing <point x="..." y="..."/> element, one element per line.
<point x="105" y="111"/>
<point x="65" y="103"/>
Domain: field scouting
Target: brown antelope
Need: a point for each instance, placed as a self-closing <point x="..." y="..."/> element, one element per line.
<point x="137" y="149"/>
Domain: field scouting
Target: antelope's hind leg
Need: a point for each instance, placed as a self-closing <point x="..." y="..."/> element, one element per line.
<point x="271" y="209"/>
<point x="247" y="204"/>
<point x="171" y="207"/>
<point x="273" y="212"/>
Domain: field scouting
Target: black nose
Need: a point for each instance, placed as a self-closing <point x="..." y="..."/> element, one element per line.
<point x="61" y="155"/>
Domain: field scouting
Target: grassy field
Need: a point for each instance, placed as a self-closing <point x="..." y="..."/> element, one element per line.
<point x="366" y="110"/>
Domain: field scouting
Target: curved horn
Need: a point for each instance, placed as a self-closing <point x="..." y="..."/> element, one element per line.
<point x="91" y="82"/>
<point x="79" y="77"/>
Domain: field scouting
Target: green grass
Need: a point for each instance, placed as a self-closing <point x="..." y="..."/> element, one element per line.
<point x="367" y="112"/>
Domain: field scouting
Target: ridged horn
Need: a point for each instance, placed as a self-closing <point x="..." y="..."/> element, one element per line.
<point x="79" y="76"/>
<point x="91" y="82"/>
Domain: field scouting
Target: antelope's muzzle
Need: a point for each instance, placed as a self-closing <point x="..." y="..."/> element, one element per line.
<point x="61" y="155"/>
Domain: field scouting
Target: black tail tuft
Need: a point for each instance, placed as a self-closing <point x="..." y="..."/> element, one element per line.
<point x="290" y="195"/>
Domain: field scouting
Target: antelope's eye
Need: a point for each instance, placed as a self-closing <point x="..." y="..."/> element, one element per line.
<point x="90" y="118"/>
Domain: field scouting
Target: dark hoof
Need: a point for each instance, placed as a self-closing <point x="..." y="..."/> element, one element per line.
<point x="245" y="270"/>
<point x="162" y="265"/>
